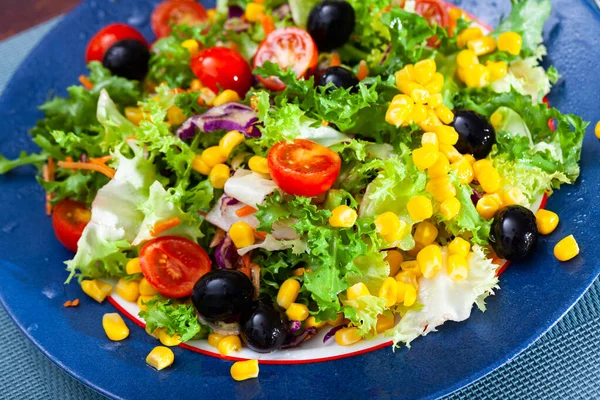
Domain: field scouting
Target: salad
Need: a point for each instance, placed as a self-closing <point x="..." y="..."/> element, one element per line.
<point x="269" y="169"/>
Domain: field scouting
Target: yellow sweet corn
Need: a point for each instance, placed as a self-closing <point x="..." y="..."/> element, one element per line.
<point x="242" y="235"/>
<point x="498" y="69"/>
<point x="135" y="115"/>
<point x="167" y="339"/>
<point x="547" y="221"/>
<point x="191" y="45"/>
<point x="468" y="34"/>
<point x="133" y="266"/>
<point x="339" y="320"/>
<point x="419" y="208"/>
<point x="513" y="196"/>
<point x="450" y="152"/>
<point x="297" y="312"/>
<point x="175" y="115"/>
<point x="458" y="267"/>
<point x="200" y="166"/>
<point x="420" y="95"/>
<point x="566" y="249"/>
<point x="388" y="291"/>
<point x="450" y="208"/>
<point x="213" y="156"/>
<point x="597" y="130"/>
<point x="214" y="339"/>
<point x="425" y="233"/>
<point x="511" y="42"/>
<point x="160" y="357"/>
<point x="496" y="119"/>
<point x="387" y="223"/>
<point x="430" y="260"/>
<point x="424" y="70"/>
<point x="425" y="157"/>
<point x="128" y="290"/>
<point x="343" y="217"/>
<point x="430" y="139"/>
<point x="357" y="290"/>
<point x="385" y="322"/>
<point x="226" y="96"/>
<point x="230" y="141"/>
<point x="487" y="207"/>
<point x="146" y="289"/>
<point x="218" y="175"/>
<point x="409" y="277"/>
<point x="466" y="58"/>
<point x="288" y="292"/>
<point x="258" y="164"/>
<point x="475" y="76"/>
<point x="419" y="113"/>
<point x="243" y="370"/>
<point x="463" y="170"/>
<point x="446" y="135"/>
<point x="435" y="100"/>
<point x="143" y="299"/>
<point x="394" y="259"/>
<point x="459" y="246"/>
<point x="405" y="74"/>
<point x="440" y="168"/>
<point x="444" y="114"/>
<point x="311" y="322"/>
<point x="254" y="12"/>
<point x="441" y="188"/>
<point x="229" y="344"/>
<point x="436" y="84"/>
<point x="489" y="179"/>
<point x="347" y="336"/>
<point x="114" y="327"/>
<point x="482" y="46"/>
<point x="96" y="289"/>
<point x="407" y="294"/>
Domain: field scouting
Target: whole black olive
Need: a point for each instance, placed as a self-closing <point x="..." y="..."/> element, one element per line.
<point x="262" y="328"/>
<point x="127" y="58"/>
<point x="330" y="23"/>
<point x="222" y="294"/>
<point x="340" y="78"/>
<point x="514" y="233"/>
<point x="476" y="135"/>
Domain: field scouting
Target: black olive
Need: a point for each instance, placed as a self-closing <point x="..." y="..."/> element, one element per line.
<point x="476" y="135"/>
<point x="514" y="233"/>
<point x="222" y="295"/>
<point x="340" y="78"/>
<point x="330" y="23"/>
<point x="127" y="58"/>
<point x="262" y="328"/>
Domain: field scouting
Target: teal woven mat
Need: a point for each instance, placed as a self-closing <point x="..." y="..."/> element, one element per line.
<point x="564" y="364"/>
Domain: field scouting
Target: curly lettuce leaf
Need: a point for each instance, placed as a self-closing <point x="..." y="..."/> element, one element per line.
<point x="468" y="222"/>
<point x="363" y="312"/>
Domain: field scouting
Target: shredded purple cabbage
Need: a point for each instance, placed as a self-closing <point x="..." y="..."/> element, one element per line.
<point x="235" y="12"/>
<point x="227" y="201"/>
<point x="332" y="332"/>
<point x="294" y="326"/>
<point x="295" y="341"/>
<point x="228" y="117"/>
<point x="226" y="255"/>
<point x="475" y="197"/>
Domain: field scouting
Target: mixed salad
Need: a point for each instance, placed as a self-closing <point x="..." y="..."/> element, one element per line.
<point x="269" y="168"/>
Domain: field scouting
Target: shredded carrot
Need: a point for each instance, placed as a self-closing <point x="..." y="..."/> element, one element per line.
<point x="246" y="265"/>
<point x="70" y="303"/>
<point x="324" y="123"/>
<point x="100" y="160"/>
<point x="245" y="211"/>
<point x="69" y="159"/>
<point x="164" y="225"/>
<point x="363" y="70"/>
<point x="261" y="234"/>
<point x="89" y="167"/>
<point x="259" y="1"/>
<point x="267" y="24"/>
<point x="48" y="173"/>
<point x="85" y="82"/>
<point x="130" y="138"/>
<point x="336" y="61"/>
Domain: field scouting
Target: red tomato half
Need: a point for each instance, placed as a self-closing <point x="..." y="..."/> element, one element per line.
<point x="176" y="12"/>
<point x="289" y="48"/>
<point x="436" y="12"/>
<point x="172" y="265"/>
<point x="221" y="67"/>
<point x="69" y="218"/>
<point x="108" y="36"/>
<point x="303" y="168"/>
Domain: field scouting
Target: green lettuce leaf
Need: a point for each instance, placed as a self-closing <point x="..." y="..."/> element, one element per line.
<point x="363" y="312"/>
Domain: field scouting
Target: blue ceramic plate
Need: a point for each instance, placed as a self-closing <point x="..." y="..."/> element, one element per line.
<point x="533" y="297"/>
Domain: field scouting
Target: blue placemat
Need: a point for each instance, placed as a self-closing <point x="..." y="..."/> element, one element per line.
<point x="564" y="364"/>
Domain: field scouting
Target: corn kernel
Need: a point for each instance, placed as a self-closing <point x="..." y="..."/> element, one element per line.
<point x="242" y="370"/>
<point x="425" y="157"/>
<point x="435" y="100"/>
<point x="407" y="293"/>
<point x="436" y="84"/>
<point x="470" y="159"/>
<point x="143" y="299"/>
<point x="419" y="113"/>
<point x="241" y="234"/>
<point x="357" y="290"/>
<point x="450" y="152"/>
<point x="430" y="139"/>
<point x="394" y="259"/>
<point x="388" y="291"/>
<point x="399" y="115"/>
<point x="597" y="130"/>
<point x="297" y="312"/>
<point x="288" y="292"/>
<point x="466" y="58"/>
<point x="463" y="170"/>
<point x="446" y="135"/>
<point x="511" y="42"/>
<point x="135" y="115"/>
<point x="298" y="271"/>
<point x="218" y="175"/>
<point x="160" y="357"/>
<point x="547" y="221"/>
<point x="339" y="320"/>
<point x="399" y="234"/>
<point x="343" y="217"/>
<point x="114" y="327"/>
<point x="513" y="196"/>
<point x="214" y="339"/>
<point x="191" y="45"/>
<point x="482" y="46"/>
<point x="387" y="223"/>
<point x="195" y="85"/>
<point x="133" y="266"/>
<point x="467" y="35"/>
<point x="444" y="114"/>
<point x="425" y="233"/>
<point x="430" y="260"/>
<point x="175" y="115"/>
<point x="566" y="249"/>
<point x="475" y="76"/>
<point x="460" y="247"/>
<point x="479" y="165"/>
<point x="496" y="119"/>
<point x="226" y="96"/>
<point x="96" y="289"/>
<point x="229" y="344"/>
<point x="146" y="289"/>
<point x="441" y="188"/>
<point x="415" y="250"/>
<point x="406" y="74"/>
<point x="385" y="322"/>
<point x="169" y="340"/>
<point x="128" y="290"/>
<point x="258" y="164"/>
<point x="311" y="322"/>
<point x="213" y="156"/>
<point x="489" y="179"/>
<point x="347" y="336"/>
<point x="229" y="142"/>
<point x="424" y="70"/>
<point x="410" y="277"/>
<point x="254" y="12"/>
<point x="200" y="166"/>
<point x="440" y="168"/>
<point x="487" y="207"/>
<point x="450" y="208"/>
<point x="419" y="208"/>
<point x="498" y="69"/>
<point x="420" y="95"/>
<point x="406" y="87"/>
<point x="411" y="266"/>
<point x="431" y="122"/>
<point x="458" y="267"/>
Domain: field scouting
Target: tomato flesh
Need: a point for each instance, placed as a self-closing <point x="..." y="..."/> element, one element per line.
<point x="172" y="265"/>
<point x="303" y="168"/>
<point x="290" y="48"/>
<point x="222" y="68"/>
<point x="69" y="218"/>
<point x="435" y="11"/>
<point x="176" y="12"/>
<point x="106" y="37"/>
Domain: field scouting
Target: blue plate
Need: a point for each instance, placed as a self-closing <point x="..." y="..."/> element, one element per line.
<point x="533" y="297"/>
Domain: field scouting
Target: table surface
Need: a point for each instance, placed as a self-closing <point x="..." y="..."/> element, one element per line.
<point x="18" y="15"/>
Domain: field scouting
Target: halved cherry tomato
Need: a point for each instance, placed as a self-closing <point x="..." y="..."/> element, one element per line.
<point x="69" y="218"/>
<point x="176" y="12"/>
<point x="289" y="48"/>
<point x="435" y="11"/>
<point x="108" y="36"/>
<point x="303" y="168"/>
<point x="172" y="265"/>
<point x="221" y="67"/>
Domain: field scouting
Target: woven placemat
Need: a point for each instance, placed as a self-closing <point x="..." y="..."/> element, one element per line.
<point x="563" y="364"/>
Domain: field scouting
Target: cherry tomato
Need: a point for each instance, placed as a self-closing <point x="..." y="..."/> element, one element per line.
<point x="69" y="218"/>
<point x="221" y="67"/>
<point x="172" y="265"/>
<point x="435" y="11"/>
<point x="108" y="36"/>
<point x="303" y="168"/>
<point x="289" y="48"/>
<point x="176" y="12"/>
